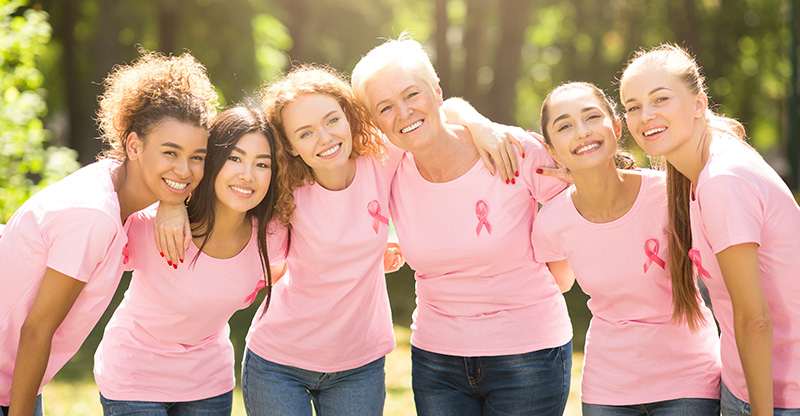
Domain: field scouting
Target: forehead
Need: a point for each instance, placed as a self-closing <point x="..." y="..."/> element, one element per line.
<point x="573" y="101"/>
<point x="639" y="82"/>
<point x="309" y="105"/>
<point x="390" y="81"/>
<point x="253" y="142"/>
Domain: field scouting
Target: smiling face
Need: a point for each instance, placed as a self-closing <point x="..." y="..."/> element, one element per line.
<point x="662" y="113"/>
<point x="171" y="159"/>
<point x="405" y="108"/>
<point x="318" y="132"/>
<point x="244" y="178"/>
<point x="581" y="132"/>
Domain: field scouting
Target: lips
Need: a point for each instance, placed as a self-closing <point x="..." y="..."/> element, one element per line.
<point x="245" y="192"/>
<point x="412" y="127"/>
<point x="175" y="185"/>
<point x="652" y="132"/>
<point x="586" y="147"/>
<point x="331" y="151"/>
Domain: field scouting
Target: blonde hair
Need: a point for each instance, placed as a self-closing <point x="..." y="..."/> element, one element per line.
<point x="677" y="61"/>
<point x="314" y="79"/>
<point x="139" y="96"/>
<point x="401" y="53"/>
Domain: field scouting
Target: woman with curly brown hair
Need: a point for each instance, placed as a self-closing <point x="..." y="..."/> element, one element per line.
<point x="62" y="252"/>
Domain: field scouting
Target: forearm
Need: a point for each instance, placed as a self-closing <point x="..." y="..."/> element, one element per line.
<point x="754" y="343"/>
<point x="32" y="357"/>
<point x="458" y="111"/>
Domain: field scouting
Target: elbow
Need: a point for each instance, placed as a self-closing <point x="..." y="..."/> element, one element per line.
<point x="566" y="286"/>
<point x="755" y="324"/>
<point x="33" y="334"/>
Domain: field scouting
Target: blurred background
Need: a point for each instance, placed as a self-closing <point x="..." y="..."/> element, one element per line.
<point x="503" y="56"/>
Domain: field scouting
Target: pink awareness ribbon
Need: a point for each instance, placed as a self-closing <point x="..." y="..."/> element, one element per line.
<point x="374" y="208"/>
<point x="482" y="211"/>
<point x="125" y="255"/>
<point x="651" y="251"/>
<point x="694" y="255"/>
<point x="252" y="297"/>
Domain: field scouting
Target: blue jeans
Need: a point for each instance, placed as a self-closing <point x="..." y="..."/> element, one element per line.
<point x="213" y="406"/>
<point x="675" y="407"/>
<point x="534" y="383"/>
<point x="38" y="410"/>
<point x="733" y="406"/>
<point x="270" y="388"/>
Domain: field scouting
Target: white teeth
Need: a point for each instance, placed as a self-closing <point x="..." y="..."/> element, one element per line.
<point x="176" y="185"/>
<point x="586" y="148"/>
<point x="242" y="190"/>
<point x="654" y="131"/>
<point x="331" y="151"/>
<point x="412" y="127"/>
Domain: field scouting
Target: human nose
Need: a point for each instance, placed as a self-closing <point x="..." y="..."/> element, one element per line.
<point x="246" y="173"/>
<point x="404" y="109"/>
<point x="181" y="167"/>
<point x="583" y="130"/>
<point x="647" y="113"/>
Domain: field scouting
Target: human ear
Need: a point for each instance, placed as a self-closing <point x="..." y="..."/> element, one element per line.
<point x="700" y="105"/>
<point x="134" y="146"/>
<point x="438" y="92"/>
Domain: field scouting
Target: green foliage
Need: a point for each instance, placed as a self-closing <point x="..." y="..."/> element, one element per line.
<point x="27" y="163"/>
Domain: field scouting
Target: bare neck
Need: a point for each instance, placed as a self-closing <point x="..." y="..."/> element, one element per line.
<point x="451" y="154"/>
<point x="605" y="194"/>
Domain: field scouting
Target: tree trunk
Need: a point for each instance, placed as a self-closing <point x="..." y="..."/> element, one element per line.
<point x="302" y="26"/>
<point x="515" y="16"/>
<point x="168" y="26"/>
<point x="474" y="37"/>
<point x="442" y="61"/>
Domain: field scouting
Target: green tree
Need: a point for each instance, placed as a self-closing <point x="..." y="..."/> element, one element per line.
<point x="27" y="162"/>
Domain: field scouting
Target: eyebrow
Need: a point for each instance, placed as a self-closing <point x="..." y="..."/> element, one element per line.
<point x="261" y="156"/>
<point x="378" y="104"/>
<point x="179" y="147"/>
<point x="649" y="93"/>
<point x="565" y="115"/>
<point x="324" y="117"/>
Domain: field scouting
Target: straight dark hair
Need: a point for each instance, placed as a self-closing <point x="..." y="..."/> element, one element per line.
<point x="226" y="130"/>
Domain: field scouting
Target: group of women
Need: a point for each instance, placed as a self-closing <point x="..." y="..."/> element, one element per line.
<point x="310" y="175"/>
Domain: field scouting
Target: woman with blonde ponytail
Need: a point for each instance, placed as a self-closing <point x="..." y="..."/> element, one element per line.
<point x="733" y="217"/>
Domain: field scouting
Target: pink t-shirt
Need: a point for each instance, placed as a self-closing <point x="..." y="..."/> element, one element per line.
<point x="479" y="290"/>
<point x="634" y="352"/>
<point x="169" y="338"/>
<point x="73" y="226"/>
<point x="740" y="199"/>
<point x="330" y="312"/>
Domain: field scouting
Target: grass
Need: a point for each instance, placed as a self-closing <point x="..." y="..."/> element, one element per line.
<point x="73" y="391"/>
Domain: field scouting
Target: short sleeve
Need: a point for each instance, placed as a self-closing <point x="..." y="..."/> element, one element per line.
<point x="543" y="187"/>
<point x="78" y="240"/>
<point x="543" y="248"/>
<point x="732" y="211"/>
<point x="277" y="242"/>
<point x="140" y="238"/>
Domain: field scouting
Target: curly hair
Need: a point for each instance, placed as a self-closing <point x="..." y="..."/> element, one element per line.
<point x="140" y="95"/>
<point x="314" y="79"/>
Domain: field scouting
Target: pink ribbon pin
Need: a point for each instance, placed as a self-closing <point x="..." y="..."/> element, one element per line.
<point x="482" y="211"/>
<point x="694" y="255"/>
<point x="651" y="251"/>
<point x="252" y="297"/>
<point x="125" y="255"/>
<point x="374" y="208"/>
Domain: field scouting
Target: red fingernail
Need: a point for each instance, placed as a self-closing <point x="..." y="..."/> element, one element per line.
<point x="506" y="181"/>
<point x="181" y="260"/>
<point x="523" y="155"/>
<point x="162" y="254"/>
<point x="169" y="262"/>
<point x="540" y="171"/>
<point x="513" y="181"/>
<point x="175" y="266"/>
<point x="516" y="173"/>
